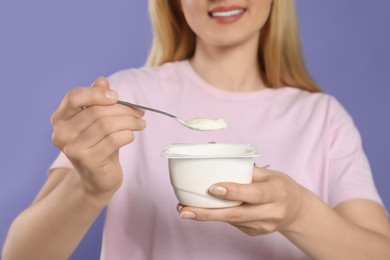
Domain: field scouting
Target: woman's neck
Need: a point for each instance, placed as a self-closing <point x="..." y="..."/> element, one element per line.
<point x="233" y="68"/>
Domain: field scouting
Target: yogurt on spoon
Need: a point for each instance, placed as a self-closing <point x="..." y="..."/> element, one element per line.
<point x="205" y="124"/>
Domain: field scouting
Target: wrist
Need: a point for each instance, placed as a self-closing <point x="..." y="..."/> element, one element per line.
<point x="91" y="196"/>
<point x="310" y="212"/>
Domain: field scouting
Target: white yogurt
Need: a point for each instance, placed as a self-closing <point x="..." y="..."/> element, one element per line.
<point x="206" y="124"/>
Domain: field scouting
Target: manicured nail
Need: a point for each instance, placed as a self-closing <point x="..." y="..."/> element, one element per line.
<point x="141" y="122"/>
<point x="219" y="191"/>
<point x="187" y="215"/>
<point x="110" y="94"/>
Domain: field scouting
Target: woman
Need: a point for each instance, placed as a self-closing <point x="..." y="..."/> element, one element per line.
<point x="238" y="60"/>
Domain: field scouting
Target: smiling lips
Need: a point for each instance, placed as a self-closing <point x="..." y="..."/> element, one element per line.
<point x="226" y="15"/>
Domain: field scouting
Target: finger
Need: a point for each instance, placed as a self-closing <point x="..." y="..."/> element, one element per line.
<point x="65" y="132"/>
<point x="259" y="191"/>
<point x="101" y="82"/>
<point x="111" y="144"/>
<point x="104" y="127"/>
<point x="242" y="214"/>
<point x="102" y="150"/>
<point x="86" y="118"/>
<point x="79" y="98"/>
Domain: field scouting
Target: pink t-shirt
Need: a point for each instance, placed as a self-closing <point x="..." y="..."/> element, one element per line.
<point x="307" y="136"/>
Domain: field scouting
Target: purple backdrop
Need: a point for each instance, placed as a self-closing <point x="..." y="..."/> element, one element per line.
<point x="47" y="47"/>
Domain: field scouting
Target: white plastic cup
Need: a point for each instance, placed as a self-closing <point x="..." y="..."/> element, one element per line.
<point x="194" y="168"/>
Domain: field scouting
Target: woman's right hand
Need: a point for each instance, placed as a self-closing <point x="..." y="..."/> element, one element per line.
<point x="89" y="128"/>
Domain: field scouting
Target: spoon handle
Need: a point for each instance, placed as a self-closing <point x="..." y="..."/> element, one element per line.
<point x="145" y="108"/>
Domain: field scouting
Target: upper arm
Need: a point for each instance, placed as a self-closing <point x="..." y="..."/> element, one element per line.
<point x="54" y="178"/>
<point x="367" y="214"/>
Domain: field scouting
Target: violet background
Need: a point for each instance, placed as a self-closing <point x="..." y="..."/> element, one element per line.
<point x="48" y="47"/>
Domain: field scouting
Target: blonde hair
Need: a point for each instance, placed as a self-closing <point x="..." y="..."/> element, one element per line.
<point x="280" y="54"/>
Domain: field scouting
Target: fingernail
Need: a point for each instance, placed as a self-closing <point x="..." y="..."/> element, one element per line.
<point x="141" y="122"/>
<point x="187" y="215"/>
<point x="110" y="94"/>
<point x="179" y="207"/>
<point x="218" y="191"/>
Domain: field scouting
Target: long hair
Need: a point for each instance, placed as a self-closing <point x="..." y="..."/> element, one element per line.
<point x="280" y="55"/>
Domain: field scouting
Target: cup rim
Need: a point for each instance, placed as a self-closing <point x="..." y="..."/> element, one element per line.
<point x="175" y="151"/>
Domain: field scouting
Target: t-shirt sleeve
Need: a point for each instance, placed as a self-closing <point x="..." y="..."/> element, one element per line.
<point x="350" y="172"/>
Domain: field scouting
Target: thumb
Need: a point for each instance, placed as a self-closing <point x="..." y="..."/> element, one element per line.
<point x="101" y="82"/>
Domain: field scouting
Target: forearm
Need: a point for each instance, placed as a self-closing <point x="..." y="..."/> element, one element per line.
<point x="53" y="227"/>
<point x="323" y="234"/>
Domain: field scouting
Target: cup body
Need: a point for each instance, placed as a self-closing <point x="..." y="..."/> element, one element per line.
<point x="194" y="168"/>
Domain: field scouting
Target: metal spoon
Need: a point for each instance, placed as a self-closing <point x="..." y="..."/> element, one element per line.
<point x="202" y="124"/>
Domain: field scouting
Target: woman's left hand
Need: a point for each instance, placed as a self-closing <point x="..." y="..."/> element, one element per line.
<point x="272" y="202"/>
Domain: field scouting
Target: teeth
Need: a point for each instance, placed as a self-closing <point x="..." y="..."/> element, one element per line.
<point x="227" y="13"/>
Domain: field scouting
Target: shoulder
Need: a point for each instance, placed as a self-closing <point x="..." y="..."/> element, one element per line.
<point x="321" y="105"/>
<point x="292" y="96"/>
